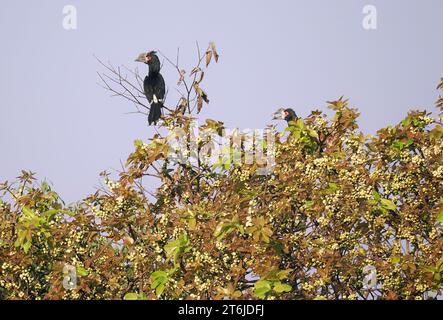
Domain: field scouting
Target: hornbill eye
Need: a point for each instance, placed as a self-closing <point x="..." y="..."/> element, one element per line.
<point x="290" y="115"/>
<point x="151" y="56"/>
<point x="284" y="114"/>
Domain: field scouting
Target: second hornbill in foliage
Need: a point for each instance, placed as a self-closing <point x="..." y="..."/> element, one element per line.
<point x="289" y="115"/>
<point x="153" y="85"/>
<point x="286" y="114"/>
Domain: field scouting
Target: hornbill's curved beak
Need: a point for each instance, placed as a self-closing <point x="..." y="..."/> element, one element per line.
<point x="141" y="58"/>
<point x="278" y="115"/>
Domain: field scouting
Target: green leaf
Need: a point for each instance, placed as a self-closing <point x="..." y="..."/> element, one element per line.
<point x="262" y="287"/>
<point x="398" y="145"/>
<point x="261" y="292"/>
<point x="131" y="296"/>
<point x="332" y="187"/>
<point x="159" y="280"/>
<point x="395" y="259"/>
<point x="296" y="133"/>
<point x="192" y="223"/>
<point x="172" y="247"/>
<point x="159" y="274"/>
<point x="142" y="296"/>
<point x="159" y="290"/>
<point x="263" y="284"/>
<point x="406" y="122"/>
<point x="309" y="204"/>
<point x="312" y="133"/>
<point x="222" y="230"/>
<point x="175" y="247"/>
<point x="440" y="216"/>
<point x="18" y="243"/>
<point x="430" y="269"/>
<point x="138" y="143"/>
<point x="388" y="204"/>
<point x="183" y="240"/>
<point x="26" y="246"/>
<point x="28" y="212"/>
<point x="284" y="274"/>
<point x="377" y="196"/>
<point x="281" y="287"/>
<point x="300" y="123"/>
<point x="82" y="272"/>
<point x="50" y="214"/>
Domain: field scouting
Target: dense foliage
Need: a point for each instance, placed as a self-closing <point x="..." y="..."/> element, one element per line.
<point x="337" y="202"/>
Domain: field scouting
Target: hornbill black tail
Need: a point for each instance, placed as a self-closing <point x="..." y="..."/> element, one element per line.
<point x="155" y="112"/>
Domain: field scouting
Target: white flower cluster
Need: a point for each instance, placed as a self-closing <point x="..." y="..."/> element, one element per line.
<point x="321" y="122"/>
<point x="417" y="160"/>
<point x="311" y="172"/>
<point x="438" y="173"/>
<point x="201" y="286"/>
<point x="248" y="221"/>
<point x="112" y="185"/>
<point x="252" y="206"/>
<point x="220" y="245"/>
<point x="164" y="218"/>
<point x="363" y="192"/>
<point x="426" y="119"/>
<point x="358" y="157"/>
<point x="245" y="175"/>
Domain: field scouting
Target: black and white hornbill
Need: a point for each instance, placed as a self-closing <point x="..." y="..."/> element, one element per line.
<point x="286" y="114"/>
<point x="154" y="85"/>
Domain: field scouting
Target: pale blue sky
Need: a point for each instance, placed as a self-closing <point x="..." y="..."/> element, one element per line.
<point x="56" y="120"/>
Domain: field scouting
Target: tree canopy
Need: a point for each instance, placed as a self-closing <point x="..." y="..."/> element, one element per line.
<point x="336" y="202"/>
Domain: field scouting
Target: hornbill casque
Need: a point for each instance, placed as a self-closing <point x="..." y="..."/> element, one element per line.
<point x="153" y="85"/>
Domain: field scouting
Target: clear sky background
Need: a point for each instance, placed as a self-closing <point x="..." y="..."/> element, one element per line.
<point x="55" y="120"/>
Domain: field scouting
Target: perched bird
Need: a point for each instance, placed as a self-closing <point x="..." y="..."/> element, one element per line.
<point x="153" y="85"/>
<point x="289" y="115"/>
<point x="286" y="114"/>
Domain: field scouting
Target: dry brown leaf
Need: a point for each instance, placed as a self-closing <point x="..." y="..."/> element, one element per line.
<point x="197" y="89"/>
<point x="214" y="50"/>
<point x="204" y="96"/>
<point x="182" y="77"/>
<point x="202" y="75"/>
<point x="199" y="104"/>
<point x="208" y="57"/>
<point x="195" y="70"/>
<point x="182" y="104"/>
